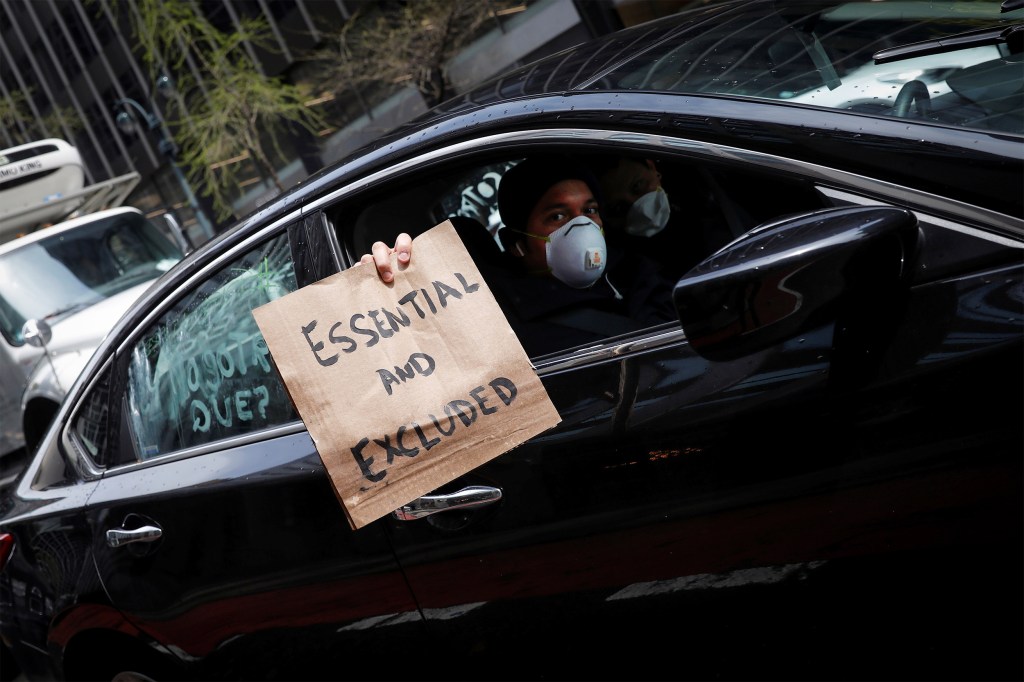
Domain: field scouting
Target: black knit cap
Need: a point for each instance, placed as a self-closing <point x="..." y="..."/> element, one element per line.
<point x="526" y="182"/>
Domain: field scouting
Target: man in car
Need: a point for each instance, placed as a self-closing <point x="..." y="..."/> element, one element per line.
<point x="563" y="286"/>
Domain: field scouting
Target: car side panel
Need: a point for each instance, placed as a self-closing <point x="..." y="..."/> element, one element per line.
<point x="814" y="505"/>
<point x="254" y="547"/>
<point x="50" y="578"/>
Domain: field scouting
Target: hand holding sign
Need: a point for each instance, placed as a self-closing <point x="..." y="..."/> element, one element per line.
<point x="380" y="255"/>
<point x="404" y="385"/>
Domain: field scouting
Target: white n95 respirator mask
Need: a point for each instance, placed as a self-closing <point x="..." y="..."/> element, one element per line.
<point x="576" y="252"/>
<point x="649" y="214"/>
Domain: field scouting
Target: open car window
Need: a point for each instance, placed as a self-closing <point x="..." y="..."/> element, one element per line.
<point x="710" y="207"/>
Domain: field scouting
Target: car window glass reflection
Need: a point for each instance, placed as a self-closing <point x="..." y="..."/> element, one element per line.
<point x="825" y="57"/>
<point x="203" y="372"/>
<point x="83" y="267"/>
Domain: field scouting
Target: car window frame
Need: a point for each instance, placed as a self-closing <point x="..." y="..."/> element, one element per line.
<point x="518" y="144"/>
<point x="117" y="348"/>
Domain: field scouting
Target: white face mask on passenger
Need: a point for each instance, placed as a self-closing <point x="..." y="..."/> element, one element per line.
<point x="649" y="214"/>
<point x="577" y="252"/>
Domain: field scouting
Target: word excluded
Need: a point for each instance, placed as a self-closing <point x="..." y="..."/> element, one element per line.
<point x="465" y="411"/>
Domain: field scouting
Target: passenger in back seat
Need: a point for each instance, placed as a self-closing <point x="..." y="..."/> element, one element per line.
<point x="671" y="218"/>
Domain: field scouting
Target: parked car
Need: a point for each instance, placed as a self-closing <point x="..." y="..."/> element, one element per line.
<point x="815" y="473"/>
<point x="62" y="288"/>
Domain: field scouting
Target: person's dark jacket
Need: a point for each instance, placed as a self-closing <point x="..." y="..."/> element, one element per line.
<point x="547" y="315"/>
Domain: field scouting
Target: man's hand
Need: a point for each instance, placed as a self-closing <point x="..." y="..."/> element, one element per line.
<point x="380" y="256"/>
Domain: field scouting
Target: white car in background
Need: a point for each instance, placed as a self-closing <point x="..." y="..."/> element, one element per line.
<point x="61" y="289"/>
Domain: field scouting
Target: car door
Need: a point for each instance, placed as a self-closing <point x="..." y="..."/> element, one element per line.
<point x="217" y="532"/>
<point x="776" y="496"/>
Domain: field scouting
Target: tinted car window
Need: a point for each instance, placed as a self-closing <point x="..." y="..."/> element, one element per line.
<point x="203" y="372"/>
<point x="824" y="56"/>
<point x="95" y="423"/>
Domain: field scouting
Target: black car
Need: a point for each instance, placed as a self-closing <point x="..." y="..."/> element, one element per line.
<point x="815" y="472"/>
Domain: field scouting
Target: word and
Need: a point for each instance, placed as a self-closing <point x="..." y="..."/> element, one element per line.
<point x="418" y="363"/>
<point x="382" y="323"/>
<point x="457" y="411"/>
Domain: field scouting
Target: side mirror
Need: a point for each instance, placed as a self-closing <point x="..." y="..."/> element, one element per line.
<point x="180" y="238"/>
<point x="789" y="276"/>
<point x="37" y="333"/>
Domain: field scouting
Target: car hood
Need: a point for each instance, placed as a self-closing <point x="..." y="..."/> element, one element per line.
<point x="86" y="328"/>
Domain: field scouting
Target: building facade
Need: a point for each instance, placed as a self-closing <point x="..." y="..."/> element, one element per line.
<point x="70" y="68"/>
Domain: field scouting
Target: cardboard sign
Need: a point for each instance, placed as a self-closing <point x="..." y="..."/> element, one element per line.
<point x="404" y="386"/>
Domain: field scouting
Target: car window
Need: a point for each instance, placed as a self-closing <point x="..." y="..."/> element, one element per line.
<point x="826" y="56"/>
<point x="709" y="208"/>
<point x="81" y="267"/>
<point x="203" y="372"/>
<point x="94" y="426"/>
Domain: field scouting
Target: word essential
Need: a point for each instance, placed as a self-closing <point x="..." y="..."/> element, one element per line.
<point x="374" y="325"/>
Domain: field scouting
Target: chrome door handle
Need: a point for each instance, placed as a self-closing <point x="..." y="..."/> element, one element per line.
<point x="467" y="498"/>
<point x="119" y="536"/>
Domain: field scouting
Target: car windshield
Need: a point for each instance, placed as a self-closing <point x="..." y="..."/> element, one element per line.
<point x="74" y="269"/>
<point x="824" y="55"/>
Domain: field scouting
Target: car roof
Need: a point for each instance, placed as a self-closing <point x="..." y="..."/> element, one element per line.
<point x="575" y="68"/>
